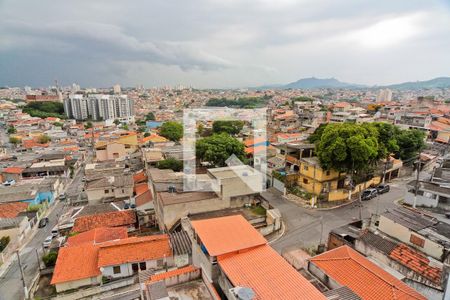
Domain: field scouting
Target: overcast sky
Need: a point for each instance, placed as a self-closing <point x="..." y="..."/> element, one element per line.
<point x="221" y="43"/>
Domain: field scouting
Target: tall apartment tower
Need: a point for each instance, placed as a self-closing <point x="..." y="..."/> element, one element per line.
<point x="384" y="95"/>
<point x="98" y="107"/>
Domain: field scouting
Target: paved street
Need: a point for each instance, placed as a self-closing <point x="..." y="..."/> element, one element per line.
<point x="303" y="226"/>
<point x="10" y="282"/>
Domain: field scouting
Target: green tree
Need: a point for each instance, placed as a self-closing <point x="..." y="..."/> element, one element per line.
<point x="410" y="143"/>
<point x="14" y="140"/>
<point x="387" y="138"/>
<point x="170" y="163"/>
<point x="45" y="109"/>
<point x="217" y="148"/>
<point x="147" y="134"/>
<point x="317" y="134"/>
<point x="348" y="147"/>
<point x="117" y="122"/>
<point x="44" y="139"/>
<point x="125" y="127"/>
<point x="150" y="117"/>
<point x="171" y="130"/>
<point x="58" y="124"/>
<point x="142" y="128"/>
<point x="232" y="127"/>
<point x="11" y="130"/>
<point x="88" y="125"/>
<point x="50" y="259"/>
<point x="140" y="122"/>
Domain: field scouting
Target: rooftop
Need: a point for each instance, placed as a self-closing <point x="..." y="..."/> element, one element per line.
<point x="115" y="181"/>
<point x="349" y="268"/>
<point x="98" y="235"/>
<point x="227" y="234"/>
<point x="134" y="249"/>
<point x="11" y="210"/>
<point x="109" y="219"/>
<point x="76" y="263"/>
<point x="177" y="198"/>
<point x="267" y="274"/>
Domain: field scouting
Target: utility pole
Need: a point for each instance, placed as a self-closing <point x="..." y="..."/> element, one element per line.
<point x="417" y="183"/>
<point x="22" y="276"/>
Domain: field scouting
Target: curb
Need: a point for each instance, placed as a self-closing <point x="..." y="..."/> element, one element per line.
<point x="321" y="209"/>
<point x="283" y="231"/>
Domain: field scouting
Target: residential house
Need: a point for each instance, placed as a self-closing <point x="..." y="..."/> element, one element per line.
<point x="86" y="264"/>
<point x="233" y="255"/>
<point x="12" y="209"/>
<point x="125" y="218"/>
<point x="344" y="266"/>
<point x="109" y="189"/>
<point x="97" y="236"/>
<point x="418" y="230"/>
<point x="12" y="173"/>
<point x="116" y="149"/>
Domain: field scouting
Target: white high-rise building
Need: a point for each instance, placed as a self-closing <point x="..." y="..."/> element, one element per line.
<point x="117" y="89"/>
<point x="98" y="107"/>
<point x="384" y="95"/>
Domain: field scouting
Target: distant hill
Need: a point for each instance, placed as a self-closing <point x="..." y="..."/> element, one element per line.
<point x="439" y="82"/>
<point x="313" y="83"/>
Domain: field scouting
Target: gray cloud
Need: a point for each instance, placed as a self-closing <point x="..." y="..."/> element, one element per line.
<point x="221" y="43"/>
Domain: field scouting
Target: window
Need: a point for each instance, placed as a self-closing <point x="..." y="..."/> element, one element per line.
<point x="116" y="269"/>
<point x="142" y="266"/>
<point x="305" y="181"/>
<point x="328" y="173"/>
<point x="159" y="262"/>
<point x="305" y="167"/>
<point x="106" y="191"/>
<point x="414" y="239"/>
<point x="123" y="191"/>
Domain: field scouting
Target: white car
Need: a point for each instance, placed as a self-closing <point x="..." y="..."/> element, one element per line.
<point x="47" y="242"/>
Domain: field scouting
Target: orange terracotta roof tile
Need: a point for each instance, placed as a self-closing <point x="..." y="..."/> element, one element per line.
<point x="11" y="210"/>
<point x="140" y="177"/>
<point x="109" y="219"/>
<point x="144" y="198"/>
<point x="76" y="263"/>
<point x="98" y="235"/>
<point x="417" y="262"/>
<point x="267" y="274"/>
<point x="134" y="249"/>
<point x="141" y="188"/>
<point x="227" y="234"/>
<point x="172" y="273"/>
<point x="364" y="278"/>
<point x="13" y="170"/>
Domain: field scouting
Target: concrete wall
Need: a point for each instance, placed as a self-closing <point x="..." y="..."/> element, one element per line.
<point x="404" y="234"/>
<point x="232" y="187"/>
<point x="385" y="260"/>
<point x="316" y="271"/>
<point x="96" y="195"/>
<point x="17" y="233"/>
<point x="201" y="260"/>
<point x="171" y="214"/>
<point x="75" y="284"/>
<point x="127" y="270"/>
<point x="424" y="201"/>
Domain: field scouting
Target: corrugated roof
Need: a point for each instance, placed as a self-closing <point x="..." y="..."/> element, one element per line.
<point x="267" y="274"/>
<point x="76" y="263"/>
<point x="227" y="234"/>
<point x="98" y="235"/>
<point x="349" y="268"/>
<point x="110" y="219"/>
<point x="134" y="249"/>
<point x="409" y="218"/>
<point x="181" y="243"/>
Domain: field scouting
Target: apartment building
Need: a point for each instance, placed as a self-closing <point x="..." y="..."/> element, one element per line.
<point x="98" y="107"/>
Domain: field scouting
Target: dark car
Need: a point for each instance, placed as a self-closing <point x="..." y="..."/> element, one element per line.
<point x="383" y="188"/>
<point x="369" y="194"/>
<point x="43" y="222"/>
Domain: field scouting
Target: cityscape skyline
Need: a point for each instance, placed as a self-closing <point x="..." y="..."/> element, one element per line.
<point x="209" y="44"/>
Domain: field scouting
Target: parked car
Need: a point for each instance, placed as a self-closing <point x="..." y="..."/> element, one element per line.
<point x="43" y="222"/>
<point x="55" y="231"/>
<point x="47" y="241"/>
<point x="369" y="194"/>
<point x="447" y="215"/>
<point x="383" y="188"/>
<point x="62" y="197"/>
<point x="9" y="182"/>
